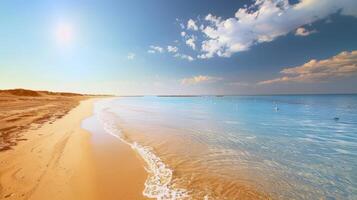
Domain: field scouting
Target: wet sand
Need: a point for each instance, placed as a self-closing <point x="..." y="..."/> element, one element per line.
<point x="121" y="170"/>
<point x="60" y="160"/>
<point x="122" y="173"/>
<point x="200" y="180"/>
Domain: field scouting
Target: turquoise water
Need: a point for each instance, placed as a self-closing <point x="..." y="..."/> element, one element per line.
<point x="296" y="147"/>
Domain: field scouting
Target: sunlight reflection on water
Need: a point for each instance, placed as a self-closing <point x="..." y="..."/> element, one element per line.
<point x="298" y="152"/>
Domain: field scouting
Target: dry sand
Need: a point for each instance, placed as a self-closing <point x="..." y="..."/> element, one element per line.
<point x="59" y="161"/>
<point x="23" y="109"/>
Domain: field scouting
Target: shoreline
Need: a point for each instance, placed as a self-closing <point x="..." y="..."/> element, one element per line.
<point x="60" y="160"/>
<point x="169" y="177"/>
<point x="76" y="157"/>
<point x="158" y="184"/>
<point x="122" y="172"/>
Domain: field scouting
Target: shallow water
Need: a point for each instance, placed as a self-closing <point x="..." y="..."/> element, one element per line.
<point x="284" y="147"/>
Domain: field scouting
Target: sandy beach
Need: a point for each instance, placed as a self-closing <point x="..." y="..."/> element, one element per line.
<point x="59" y="160"/>
<point x="178" y="100"/>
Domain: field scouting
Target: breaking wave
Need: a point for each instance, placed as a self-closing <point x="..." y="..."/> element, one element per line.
<point x="159" y="182"/>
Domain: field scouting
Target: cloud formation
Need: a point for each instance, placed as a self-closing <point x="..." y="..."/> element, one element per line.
<point x="199" y="79"/>
<point x="182" y="26"/>
<point x="131" y="56"/>
<point x="191" y="25"/>
<point x="172" y="49"/>
<point x="191" y="42"/>
<point x="304" y="32"/>
<point x="155" y="49"/>
<point x="341" y="65"/>
<point x="264" y="21"/>
<point x="184" y="56"/>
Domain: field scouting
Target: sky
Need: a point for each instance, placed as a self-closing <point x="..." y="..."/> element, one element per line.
<point x="158" y="47"/>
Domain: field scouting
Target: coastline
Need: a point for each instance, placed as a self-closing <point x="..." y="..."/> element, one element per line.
<point x="170" y="176"/>
<point x="60" y="160"/>
<point x="157" y="183"/>
<point x="120" y="172"/>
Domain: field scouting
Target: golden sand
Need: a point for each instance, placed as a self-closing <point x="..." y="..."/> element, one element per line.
<point x="21" y="110"/>
<point x="121" y="171"/>
<point x="58" y="161"/>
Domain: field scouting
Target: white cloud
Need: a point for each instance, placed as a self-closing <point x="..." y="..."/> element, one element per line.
<point x="184" y="56"/>
<point x="155" y="49"/>
<point x="304" y="32"/>
<point x="131" y="56"/>
<point x="191" y="25"/>
<point x="182" y="25"/>
<point x="264" y="21"/>
<point x="183" y="33"/>
<point x="199" y="79"/>
<point x="213" y="19"/>
<point x="172" y="49"/>
<point x="191" y="42"/>
<point x="341" y="65"/>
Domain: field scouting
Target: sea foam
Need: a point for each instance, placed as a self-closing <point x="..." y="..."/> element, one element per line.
<point x="159" y="182"/>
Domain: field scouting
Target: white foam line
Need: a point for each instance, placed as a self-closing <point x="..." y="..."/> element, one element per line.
<point x="158" y="184"/>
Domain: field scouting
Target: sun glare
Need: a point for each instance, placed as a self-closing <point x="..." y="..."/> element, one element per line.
<point x="64" y="33"/>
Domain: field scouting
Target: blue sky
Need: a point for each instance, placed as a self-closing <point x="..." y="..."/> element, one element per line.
<point x="179" y="47"/>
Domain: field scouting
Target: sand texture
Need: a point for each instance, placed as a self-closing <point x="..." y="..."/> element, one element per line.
<point x="57" y="159"/>
<point x="21" y="110"/>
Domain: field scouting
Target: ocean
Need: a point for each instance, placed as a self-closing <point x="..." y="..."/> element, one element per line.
<point x="239" y="147"/>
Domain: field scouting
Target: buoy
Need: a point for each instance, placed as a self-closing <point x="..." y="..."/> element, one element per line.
<point x="276" y="107"/>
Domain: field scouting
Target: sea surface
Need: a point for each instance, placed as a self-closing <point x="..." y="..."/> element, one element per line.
<point x="258" y="147"/>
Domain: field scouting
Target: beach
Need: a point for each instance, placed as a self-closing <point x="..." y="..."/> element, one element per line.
<point x="181" y="148"/>
<point x="57" y="159"/>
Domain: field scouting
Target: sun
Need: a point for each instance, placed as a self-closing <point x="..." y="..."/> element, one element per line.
<point x="64" y="33"/>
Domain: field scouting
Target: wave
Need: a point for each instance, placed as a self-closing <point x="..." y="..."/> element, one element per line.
<point x="159" y="184"/>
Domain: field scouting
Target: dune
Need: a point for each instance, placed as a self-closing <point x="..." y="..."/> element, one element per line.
<point x="22" y="109"/>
